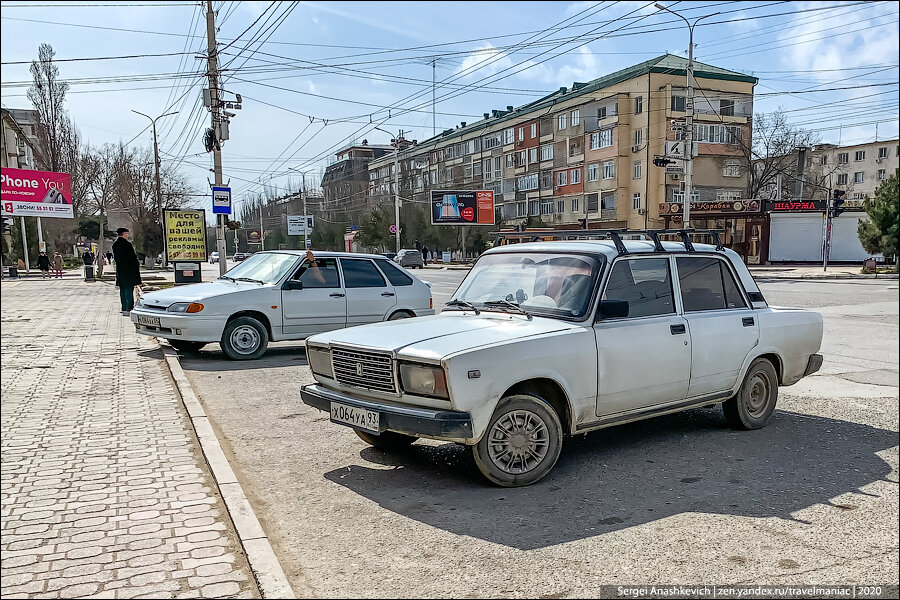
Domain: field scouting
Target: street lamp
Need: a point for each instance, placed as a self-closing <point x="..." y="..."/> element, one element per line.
<point x="305" y="214"/>
<point x="396" y="185"/>
<point x="158" y="189"/>
<point x="689" y="116"/>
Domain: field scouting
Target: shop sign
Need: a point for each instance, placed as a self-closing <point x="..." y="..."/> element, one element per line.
<point x="806" y="205"/>
<point x="717" y="207"/>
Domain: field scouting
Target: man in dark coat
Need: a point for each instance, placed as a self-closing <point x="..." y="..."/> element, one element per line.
<point x="128" y="269"/>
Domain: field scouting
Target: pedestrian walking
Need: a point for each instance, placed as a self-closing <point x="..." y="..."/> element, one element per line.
<point x="425" y="254"/>
<point x="88" y="258"/>
<point x="100" y="261"/>
<point x="109" y="257"/>
<point x="128" y="269"/>
<point x="57" y="265"/>
<point x="44" y="265"/>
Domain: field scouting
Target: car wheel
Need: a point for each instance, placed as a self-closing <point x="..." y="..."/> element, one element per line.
<point x="399" y="315"/>
<point x="754" y="403"/>
<point x="186" y="346"/>
<point x="388" y="440"/>
<point x="244" y="338"/>
<point x="522" y="442"/>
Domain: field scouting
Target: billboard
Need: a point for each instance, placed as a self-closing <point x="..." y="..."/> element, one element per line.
<point x="254" y="236"/>
<point x="462" y="207"/>
<point x="185" y="234"/>
<point x="27" y="193"/>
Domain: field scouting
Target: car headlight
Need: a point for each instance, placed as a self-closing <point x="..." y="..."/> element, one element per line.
<point x="319" y="360"/>
<point x="185" y="307"/>
<point x="424" y="380"/>
<point x="139" y="303"/>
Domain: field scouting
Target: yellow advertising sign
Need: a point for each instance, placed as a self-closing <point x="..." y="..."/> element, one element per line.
<point x="185" y="234"/>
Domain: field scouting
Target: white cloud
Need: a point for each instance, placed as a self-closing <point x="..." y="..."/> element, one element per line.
<point x="312" y="88"/>
<point x="488" y="60"/>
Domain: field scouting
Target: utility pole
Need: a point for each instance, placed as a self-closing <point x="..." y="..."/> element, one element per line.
<point x="305" y="215"/>
<point x="396" y="185"/>
<point x="433" y="113"/>
<point x="214" y="120"/>
<point x="689" y="116"/>
<point x="25" y="247"/>
<point x="159" y="202"/>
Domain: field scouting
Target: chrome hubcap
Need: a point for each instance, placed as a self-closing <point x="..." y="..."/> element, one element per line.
<point x="758" y="394"/>
<point x="245" y="339"/>
<point x="518" y="442"/>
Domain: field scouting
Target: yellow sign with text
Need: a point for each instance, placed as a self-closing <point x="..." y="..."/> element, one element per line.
<point x="185" y="234"/>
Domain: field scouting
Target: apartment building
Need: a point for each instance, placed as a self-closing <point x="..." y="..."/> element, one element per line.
<point x="584" y="155"/>
<point x="796" y="230"/>
<point x="20" y="142"/>
<point x="346" y="180"/>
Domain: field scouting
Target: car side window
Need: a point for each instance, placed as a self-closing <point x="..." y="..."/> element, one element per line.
<point x="323" y="275"/>
<point x="361" y="273"/>
<point x="707" y="284"/>
<point x="644" y="283"/>
<point x="394" y="274"/>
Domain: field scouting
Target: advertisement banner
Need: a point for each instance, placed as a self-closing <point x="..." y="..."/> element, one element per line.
<point x="300" y="224"/>
<point x="27" y="193"/>
<point x="462" y="207"/>
<point x="254" y="236"/>
<point x="185" y="235"/>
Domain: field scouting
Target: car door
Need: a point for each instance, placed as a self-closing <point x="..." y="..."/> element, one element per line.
<point x="723" y="327"/>
<point x="644" y="359"/>
<point x="369" y="295"/>
<point x="319" y="305"/>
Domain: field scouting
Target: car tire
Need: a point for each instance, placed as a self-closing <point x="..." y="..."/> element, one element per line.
<point x="186" y="346"/>
<point x="244" y="338"/>
<point x="388" y="440"/>
<point x="400" y="314"/>
<point x="755" y="402"/>
<point x="539" y="431"/>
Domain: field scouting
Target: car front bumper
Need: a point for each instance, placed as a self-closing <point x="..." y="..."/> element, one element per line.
<point x="191" y="328"/>
<point x="424" y="422"/>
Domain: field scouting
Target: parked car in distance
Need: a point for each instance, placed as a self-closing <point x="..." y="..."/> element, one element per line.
<point x="280" y="295"/>
<point x="213" y="257"/>
<point x="240" y="256"/>
<point x="548" y="339"/>
<point x="389" y="255"/>
<point x="410" y="259"/>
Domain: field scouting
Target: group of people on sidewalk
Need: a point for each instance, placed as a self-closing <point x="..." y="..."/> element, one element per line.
<point x="45" y="264"/>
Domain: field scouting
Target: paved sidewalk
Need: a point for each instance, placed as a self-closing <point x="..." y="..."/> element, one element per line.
<point x="104" y="490"/>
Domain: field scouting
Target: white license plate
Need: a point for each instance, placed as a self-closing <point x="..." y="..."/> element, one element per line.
<point x="150" y="321"/>
<point x="357" y="417"/>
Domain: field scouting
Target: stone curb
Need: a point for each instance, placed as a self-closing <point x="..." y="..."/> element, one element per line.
<point x="270" y="577"/>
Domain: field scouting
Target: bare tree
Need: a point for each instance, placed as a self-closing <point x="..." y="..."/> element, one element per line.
<point x="773" y="150"/>
<point x="48" y="95"/>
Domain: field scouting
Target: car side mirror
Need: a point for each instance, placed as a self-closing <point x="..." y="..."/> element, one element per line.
<point x="613" y="309"/>
<point x="292" y="284"/>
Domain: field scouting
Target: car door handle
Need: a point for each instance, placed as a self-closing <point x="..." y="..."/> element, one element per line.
<point x="748" y="321"/>
<point x="336" y="295"/>
<point x="387" y="293"/>
<point x="677" y="329"/>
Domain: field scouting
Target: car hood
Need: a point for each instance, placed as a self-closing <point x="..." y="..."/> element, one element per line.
<point x="435" y="337"/>
<point x="198" y="292"/>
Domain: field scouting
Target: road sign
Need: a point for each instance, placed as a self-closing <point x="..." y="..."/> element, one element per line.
<point x="308" y="243"/>
<point x="300" y="224"/>
<point x="392" y="229"/>
<point x="221" y="200"/>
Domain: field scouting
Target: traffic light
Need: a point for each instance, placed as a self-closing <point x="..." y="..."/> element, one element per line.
<point x="662" y="162"/>
<point x="7" y="222"/>
<point x="836" y="203"/>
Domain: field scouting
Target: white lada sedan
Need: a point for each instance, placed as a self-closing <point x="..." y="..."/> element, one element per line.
<point x="282" y="295"/>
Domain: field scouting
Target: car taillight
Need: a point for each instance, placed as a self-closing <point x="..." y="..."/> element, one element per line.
<point x="431" y="303"/>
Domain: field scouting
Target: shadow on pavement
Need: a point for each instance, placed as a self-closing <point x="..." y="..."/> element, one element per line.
<point x="630" y="475"/>
<point x="211" y="358"/>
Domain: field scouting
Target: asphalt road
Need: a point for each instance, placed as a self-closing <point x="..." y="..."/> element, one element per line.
<point x="812" y="498"/>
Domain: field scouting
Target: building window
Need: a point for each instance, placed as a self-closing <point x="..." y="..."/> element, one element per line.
<point x="726" y="108"/>
<point x="546" y="180"/>
<point x="528" y="182"/>
<point x="842" y="179"/>
<point x="521" y="158"/>
<point x="533" y="130"/>
<point x="574" y="205"/>
<point x="843" y="158"/>
<point x="678" y="196"/>
<point x="576" y="118"/>
<point x="638" y="105"/>
<point x="608" y="201"/>
<point x="532" y="155"/>
<point x="824" y="159"/>
<point x="467" y="171"/>
<point x="726" y="195"/>
<point x="638" y="170"/>
<point x="636" y="201"/>
<point x="638" y="137"/>
<point x="593" y="173"/>
<point x="561" y="178"/>
<point x="534" y="208"/>
<point x="510" y="160"/>
<point x="509" y="136"/>
<point x="547" y="207"/>
<point x="601" y="139"/>
<point x="882" y="152"/>
<point x="677" y="103"/>
<point x="881" y="174"/>
<point x="547" y="152"/>
<point x="860" y="155"/>
<point x="560" y="206"/>
<point x="476" y="168"/>
<point x="575" y="176"/>
<point x="591" y="202"/>
<point x="858" y="177"/>
<point x="521" y="209"/>
<point x="561" y="121"/>
<point x="609" y="169"/>
<point x="732" y="168"/>
<point x="487" y="168"/>
<point x="858" y="196"/>
<point x="521" y="134"/>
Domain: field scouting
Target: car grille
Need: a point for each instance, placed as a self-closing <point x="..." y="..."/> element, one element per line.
<point x="370" y="370"/>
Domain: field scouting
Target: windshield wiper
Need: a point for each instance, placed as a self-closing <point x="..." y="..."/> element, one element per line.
<point x="464" y="304"/>
<point x="250" y="280"/>
<point x="226" y="277"/>
<point x="509" y="304"/>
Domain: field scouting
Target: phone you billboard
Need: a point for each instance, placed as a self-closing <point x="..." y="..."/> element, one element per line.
<point x="27" y="193"/>
<point x="462" y="207"/>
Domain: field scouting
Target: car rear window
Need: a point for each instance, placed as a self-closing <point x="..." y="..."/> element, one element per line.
<point x="361" y="273"/>
<point x="394" y="274"/>
<point x="707" y="284"/>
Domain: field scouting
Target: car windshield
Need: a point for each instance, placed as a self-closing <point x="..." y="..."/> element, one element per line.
<point x="555" y="285"/>
<point x="263" y="267"/>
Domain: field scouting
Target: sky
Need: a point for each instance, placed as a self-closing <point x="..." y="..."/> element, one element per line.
<point x="317" y="76"/>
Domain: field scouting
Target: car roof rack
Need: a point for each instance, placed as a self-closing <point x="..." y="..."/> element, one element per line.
<point x="616" y="236"/>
